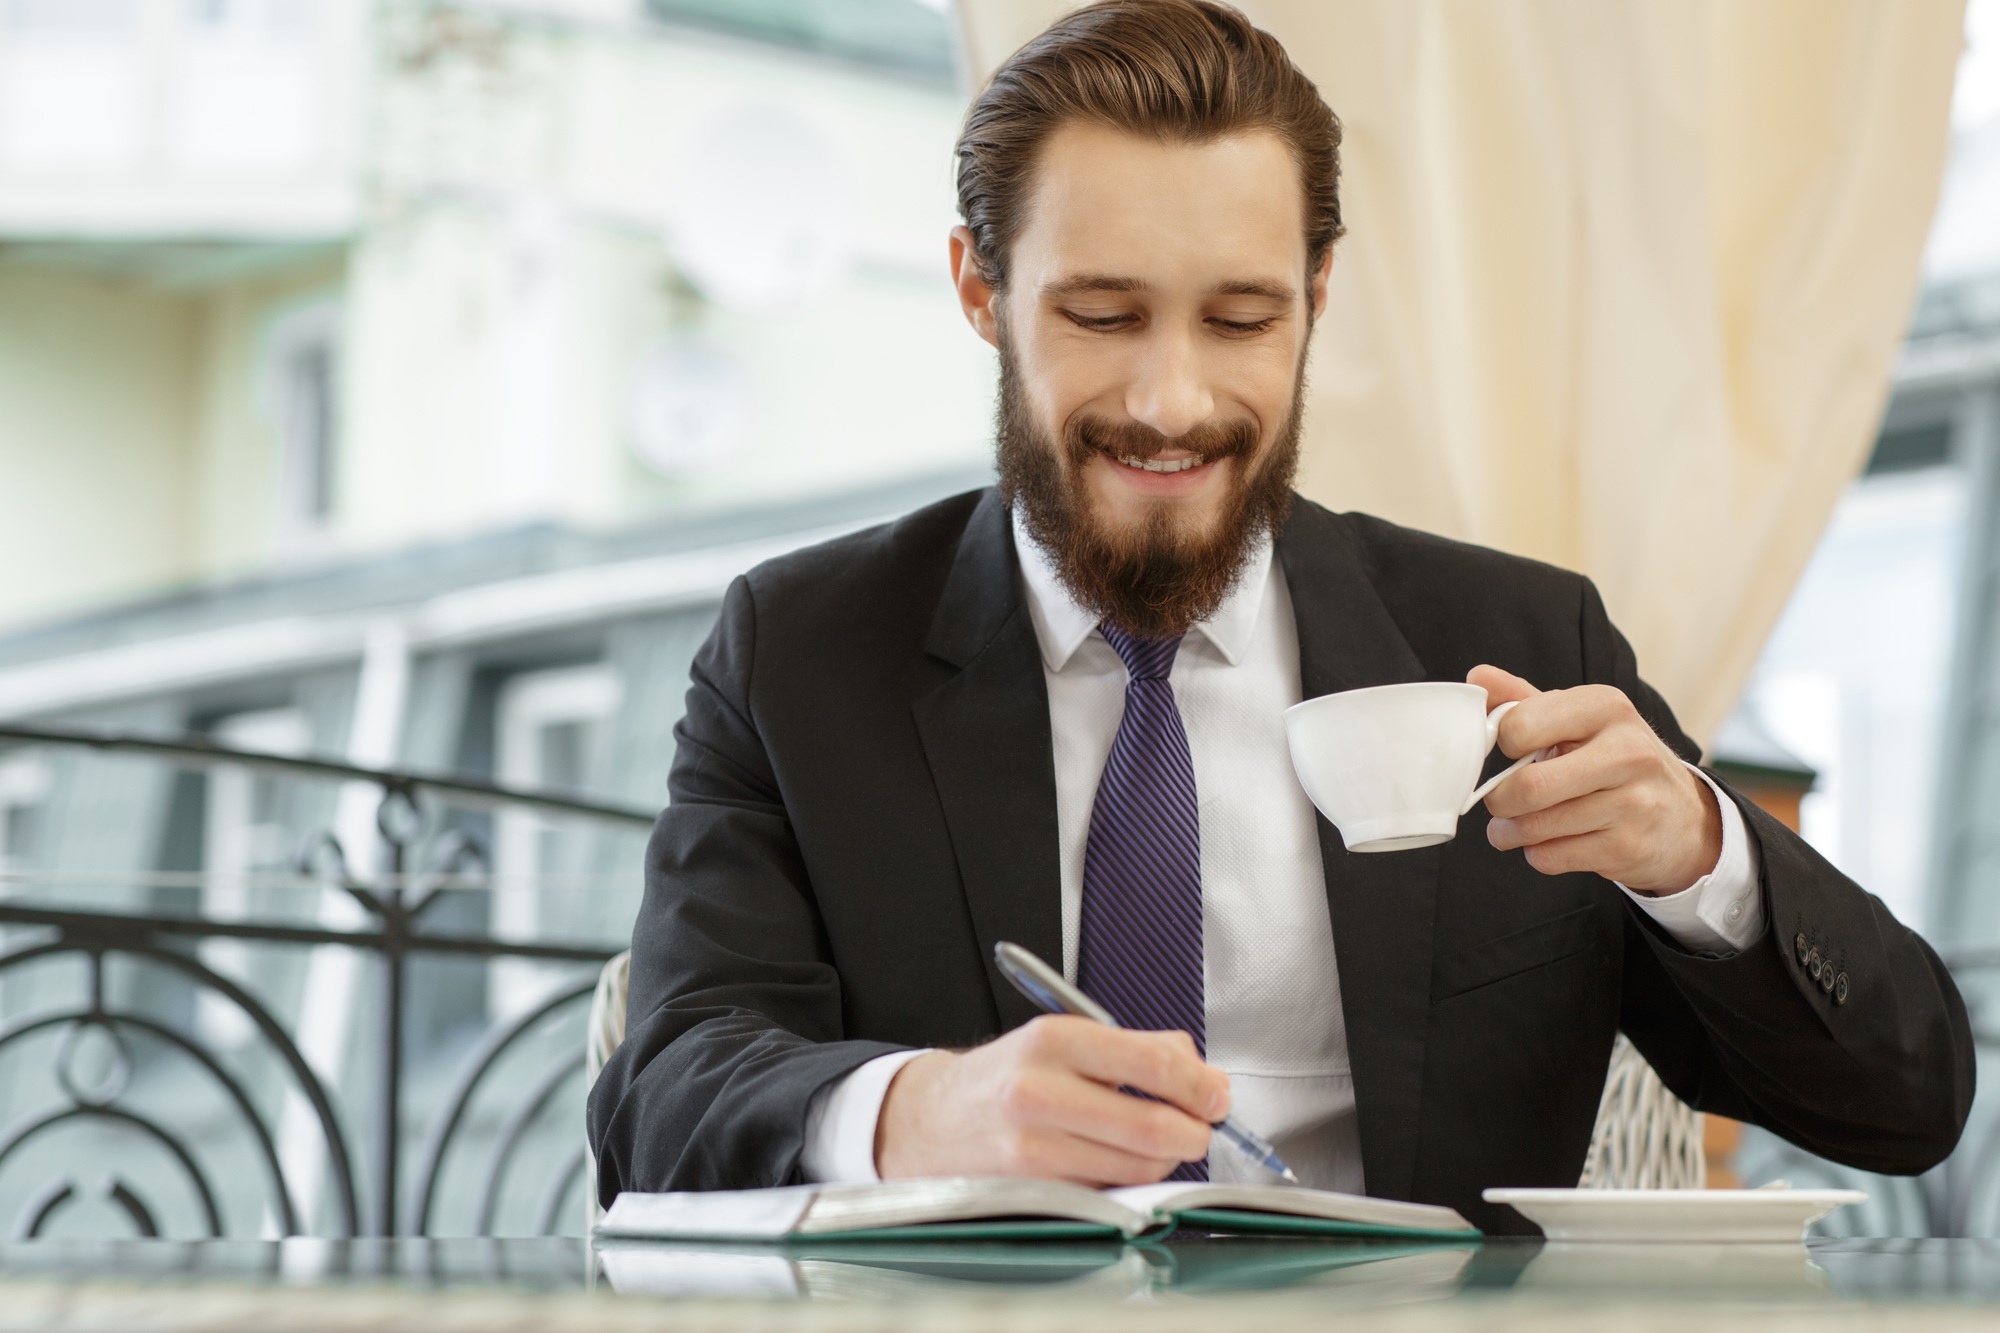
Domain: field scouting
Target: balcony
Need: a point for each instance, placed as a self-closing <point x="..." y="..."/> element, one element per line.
<point x="351" y="1004"/>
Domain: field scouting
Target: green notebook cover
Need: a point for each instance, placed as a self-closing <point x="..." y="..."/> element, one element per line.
<point x="1289" y="1224"/>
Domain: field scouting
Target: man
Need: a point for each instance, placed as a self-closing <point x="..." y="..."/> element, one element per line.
<point x="1049" y="713"/>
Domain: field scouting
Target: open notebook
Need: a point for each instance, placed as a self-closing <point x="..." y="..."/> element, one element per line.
<point x="959" y="1207"/>
<point x="1100" y="1267"/>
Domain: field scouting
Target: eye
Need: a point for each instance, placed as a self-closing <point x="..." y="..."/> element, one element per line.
<point x="1237" y="328"/>
<point x="1105" y="323"/>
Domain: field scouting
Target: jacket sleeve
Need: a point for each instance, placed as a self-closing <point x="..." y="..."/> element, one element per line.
<point x="1875" y="1071"/>
<point x="734" y="1015"/>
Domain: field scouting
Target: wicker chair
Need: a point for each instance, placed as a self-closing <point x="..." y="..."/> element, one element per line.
<point x="1646" y="1138"/>
<point x="606" y="1031"/>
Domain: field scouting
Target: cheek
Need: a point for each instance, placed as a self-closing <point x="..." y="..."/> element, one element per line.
<point x="1066" y="369"/>
<point x="1266" y="377"/>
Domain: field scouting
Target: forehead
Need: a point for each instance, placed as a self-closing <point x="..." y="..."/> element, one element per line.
<point x="1105" y="201"/>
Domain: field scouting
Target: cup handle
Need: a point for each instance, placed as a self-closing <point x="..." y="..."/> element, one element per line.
<point x="1493" y="739"/>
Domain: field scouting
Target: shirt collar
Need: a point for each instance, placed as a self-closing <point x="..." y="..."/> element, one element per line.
<point x="1061" y="625"/>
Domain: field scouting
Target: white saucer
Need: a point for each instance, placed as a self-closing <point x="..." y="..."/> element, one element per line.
<point x="1675" y="1215"/>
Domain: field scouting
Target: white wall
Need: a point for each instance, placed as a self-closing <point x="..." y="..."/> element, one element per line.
<point x="532" y="248"/>
<point x="544" y="216"/>
<point x="97" y="390"/>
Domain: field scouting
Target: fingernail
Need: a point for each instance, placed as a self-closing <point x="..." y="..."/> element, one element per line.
<point x="1497" y="829"/>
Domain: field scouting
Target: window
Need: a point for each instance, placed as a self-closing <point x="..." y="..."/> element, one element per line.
<point x="302" y="398"/>
<point x="242" y="835"/>
<point x="24" y="787"/>
<point x="550" y="734"/>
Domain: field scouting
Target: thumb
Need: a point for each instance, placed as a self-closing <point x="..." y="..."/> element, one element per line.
<point x="1500" y="686"/>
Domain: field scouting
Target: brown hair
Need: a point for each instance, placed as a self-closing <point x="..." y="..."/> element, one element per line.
<point x="1191" y="70"/>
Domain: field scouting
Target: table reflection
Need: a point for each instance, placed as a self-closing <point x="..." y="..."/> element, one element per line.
<point x="1276" y="1272"/>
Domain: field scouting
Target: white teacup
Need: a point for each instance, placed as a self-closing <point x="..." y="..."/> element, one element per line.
<point x="1394" y="766"/>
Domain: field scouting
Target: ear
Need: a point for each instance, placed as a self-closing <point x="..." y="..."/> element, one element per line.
<point x="975" y="295"/>
<point x="1319" y="284"/>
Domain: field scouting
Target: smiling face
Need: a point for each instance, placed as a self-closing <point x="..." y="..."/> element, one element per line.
<point x="1152" y="332"/>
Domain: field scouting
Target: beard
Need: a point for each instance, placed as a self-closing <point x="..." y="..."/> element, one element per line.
<point x="1159" y="577"/>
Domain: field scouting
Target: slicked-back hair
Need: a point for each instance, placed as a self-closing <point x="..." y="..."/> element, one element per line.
<point x="1186" y="71"/>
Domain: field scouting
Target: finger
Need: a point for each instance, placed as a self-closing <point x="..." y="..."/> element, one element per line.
<point x="1591" y="767"/>
<point x="1575" y="714"/>
<point x="1091" y="1110"/>
<point x="1161" y="1063"/>
<point x="1056" y="1154"/>
<point x="1500" y="686"/>
<point x="1586" y="814"/>
<point x="1603" y="853"/>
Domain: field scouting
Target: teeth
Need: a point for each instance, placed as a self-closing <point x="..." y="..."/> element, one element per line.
<point x="1154" y="465"/>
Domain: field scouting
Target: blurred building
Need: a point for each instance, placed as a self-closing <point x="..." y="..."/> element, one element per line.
<point x="403" y="381"/>
<point x="288" y="282"/>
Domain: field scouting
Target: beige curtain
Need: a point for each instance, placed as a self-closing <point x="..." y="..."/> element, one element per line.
<point x="1623" y="285"/>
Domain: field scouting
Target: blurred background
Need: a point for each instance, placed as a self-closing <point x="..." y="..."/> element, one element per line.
<point x="395" y="385"/>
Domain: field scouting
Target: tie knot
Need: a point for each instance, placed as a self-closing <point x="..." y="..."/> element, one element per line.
<point x="1145" y="659"/>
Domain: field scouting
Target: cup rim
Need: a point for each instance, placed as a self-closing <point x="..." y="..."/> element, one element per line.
<point x="1383" y="689"/>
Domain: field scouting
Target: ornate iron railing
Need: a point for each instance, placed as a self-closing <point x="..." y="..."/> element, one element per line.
<point x="395" y="902"/>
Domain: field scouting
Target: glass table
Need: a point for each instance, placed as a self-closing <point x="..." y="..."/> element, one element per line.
<point x="1185" y="1283"/>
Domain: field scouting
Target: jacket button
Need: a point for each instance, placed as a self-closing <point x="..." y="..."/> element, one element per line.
<point x="1813" y="964"/>
<point x="1799" y="946"/>
<point x="1827" y="979"/>
<point x="1840" y="989"/>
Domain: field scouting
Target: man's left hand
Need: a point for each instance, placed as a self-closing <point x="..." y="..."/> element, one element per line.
<point x="1612" y="799"/>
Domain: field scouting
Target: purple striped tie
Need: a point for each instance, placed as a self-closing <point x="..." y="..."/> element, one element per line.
<point x="1140" y="952"/>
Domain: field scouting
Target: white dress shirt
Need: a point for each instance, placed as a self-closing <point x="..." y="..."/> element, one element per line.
<point x="1273" y="983"/>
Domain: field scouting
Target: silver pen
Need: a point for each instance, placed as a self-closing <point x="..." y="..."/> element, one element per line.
<point x="1046" y="987"/>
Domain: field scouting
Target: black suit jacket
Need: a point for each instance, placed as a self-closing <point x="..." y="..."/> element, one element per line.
<point x="863" y="802"/>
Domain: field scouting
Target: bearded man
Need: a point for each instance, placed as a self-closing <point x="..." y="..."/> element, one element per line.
<point x="1049" y="712"/>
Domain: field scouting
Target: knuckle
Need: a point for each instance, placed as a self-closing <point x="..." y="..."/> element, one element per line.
<point x="1610" y="698"/>
<point x="1040" y="1036"/>
<point x="1156" y="1065"/>
<point x="1158" y="1136"/>
<point x="1023" y="1098"/>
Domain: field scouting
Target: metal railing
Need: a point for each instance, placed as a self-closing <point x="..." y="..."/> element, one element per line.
<point x="421" y="862"/>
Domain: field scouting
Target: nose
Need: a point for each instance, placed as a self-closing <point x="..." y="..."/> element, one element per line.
<point x="1169" y="391"/>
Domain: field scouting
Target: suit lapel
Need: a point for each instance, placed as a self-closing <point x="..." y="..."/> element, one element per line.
<point x="1382" y="905"/>
<point x="985" y="733"/>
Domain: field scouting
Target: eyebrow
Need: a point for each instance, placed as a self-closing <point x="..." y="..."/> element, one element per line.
<point x="1081" y="283"/>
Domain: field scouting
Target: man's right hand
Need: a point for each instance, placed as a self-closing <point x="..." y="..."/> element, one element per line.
<point x="1043" y="1100"/>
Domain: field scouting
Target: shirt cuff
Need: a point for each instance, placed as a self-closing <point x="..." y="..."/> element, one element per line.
<point x="840" y="1123"/>
<point x="1722" y="912"/>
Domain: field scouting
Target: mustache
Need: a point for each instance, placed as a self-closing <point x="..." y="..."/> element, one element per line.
<point x="1211" y="441"/>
